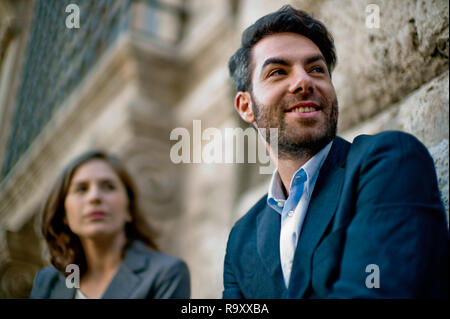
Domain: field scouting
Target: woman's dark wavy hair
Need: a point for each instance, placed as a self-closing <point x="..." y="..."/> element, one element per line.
<point x="286" y="19"/>
<point x="64" y="246"/>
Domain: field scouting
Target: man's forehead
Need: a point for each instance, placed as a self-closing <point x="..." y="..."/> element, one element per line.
<point x="283" y="45"/>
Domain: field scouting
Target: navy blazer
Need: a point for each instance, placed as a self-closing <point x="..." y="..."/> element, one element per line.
<point x="376" y="201"/>
<point x="143" y="274"/>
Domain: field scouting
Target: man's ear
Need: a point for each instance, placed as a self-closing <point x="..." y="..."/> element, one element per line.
<point x="243" y="104"/>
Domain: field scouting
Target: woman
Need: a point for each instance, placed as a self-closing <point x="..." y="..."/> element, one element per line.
<point x="90" y="223"/>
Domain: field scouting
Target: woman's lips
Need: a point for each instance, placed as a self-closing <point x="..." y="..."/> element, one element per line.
<point x="96" y="215"/>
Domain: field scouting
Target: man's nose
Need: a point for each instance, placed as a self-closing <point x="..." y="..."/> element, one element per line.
<point x="301" y="82"/>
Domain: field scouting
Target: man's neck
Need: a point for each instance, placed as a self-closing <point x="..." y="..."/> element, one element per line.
<point x="287" y="169"/>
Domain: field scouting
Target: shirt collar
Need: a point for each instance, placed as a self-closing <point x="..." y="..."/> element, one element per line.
<point x="276" y="198"/>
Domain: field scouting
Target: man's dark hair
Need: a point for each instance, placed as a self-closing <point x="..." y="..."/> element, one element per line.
<point x="286" y="19"/>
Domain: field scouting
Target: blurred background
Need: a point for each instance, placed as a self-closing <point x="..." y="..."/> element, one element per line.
<point x="136" y="69"/>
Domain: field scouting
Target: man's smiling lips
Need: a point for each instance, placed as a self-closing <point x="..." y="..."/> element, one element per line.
<point x="304" y="109"/>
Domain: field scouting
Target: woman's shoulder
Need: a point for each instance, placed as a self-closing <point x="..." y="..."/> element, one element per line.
<point x="162" y="275"/>
<point x="44" y="281"/>
<point x="156" y="258"/>
<point x="46" y="274"/>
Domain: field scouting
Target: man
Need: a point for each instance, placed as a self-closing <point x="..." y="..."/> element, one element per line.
<point x="340" y="220"/>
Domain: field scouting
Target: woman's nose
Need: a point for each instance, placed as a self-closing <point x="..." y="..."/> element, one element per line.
<point x="94" y="194"/>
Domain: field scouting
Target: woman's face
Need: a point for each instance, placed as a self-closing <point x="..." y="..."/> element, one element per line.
<point x="96" y="204"/>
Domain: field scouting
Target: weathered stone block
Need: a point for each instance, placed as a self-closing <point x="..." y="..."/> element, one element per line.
<point x="424" y="113"/>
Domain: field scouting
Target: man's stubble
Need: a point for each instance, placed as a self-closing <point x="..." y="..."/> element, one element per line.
<point x="295" y="146"/>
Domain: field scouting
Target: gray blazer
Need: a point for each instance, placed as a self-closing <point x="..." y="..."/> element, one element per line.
<point x="143" y="274"/>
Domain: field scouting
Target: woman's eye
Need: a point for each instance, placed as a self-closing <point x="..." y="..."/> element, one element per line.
<point x="108" y="186"/>
<point x="81" y="188"/>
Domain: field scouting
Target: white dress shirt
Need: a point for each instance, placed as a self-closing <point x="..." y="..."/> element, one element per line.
<point x="292" y="218"/>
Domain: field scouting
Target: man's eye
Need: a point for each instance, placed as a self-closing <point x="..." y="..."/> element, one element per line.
<point x="318" y="69"/>
<point x="277" y="72"/>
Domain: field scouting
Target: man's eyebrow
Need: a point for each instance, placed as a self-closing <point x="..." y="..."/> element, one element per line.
<point x="274" y="61"/>
<point x="281" y="61"/>
<point x="315" y="58"/>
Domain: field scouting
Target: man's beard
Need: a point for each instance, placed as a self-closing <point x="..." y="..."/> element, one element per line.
<point x="305" y="144"/>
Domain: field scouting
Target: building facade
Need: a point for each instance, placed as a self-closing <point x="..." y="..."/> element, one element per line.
<point x="133" y="71"/>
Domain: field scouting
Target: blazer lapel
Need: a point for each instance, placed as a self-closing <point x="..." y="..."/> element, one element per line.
<point x="60" y="291"/>
<point x="126" y="280"/>
<point x="268" y="246"/>
<point x="321" y="209"/>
